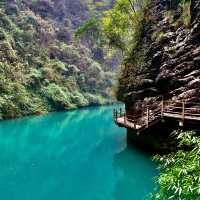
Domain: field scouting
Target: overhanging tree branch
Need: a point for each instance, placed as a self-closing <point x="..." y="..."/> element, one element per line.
<point x="132" y="5"/>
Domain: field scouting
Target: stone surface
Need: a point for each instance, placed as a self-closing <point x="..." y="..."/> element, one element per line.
<point x="175" y="60"/>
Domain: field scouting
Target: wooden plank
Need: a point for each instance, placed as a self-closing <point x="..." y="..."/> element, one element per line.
<point x="179" y="116"/>
<point x="196" y="108"/>
<point x="192" y="118"/>
<point x="192" y="114"/>
<point x="173" y="107"/>
<point x="192" y="103"/>
<point x="172" y="112"/>
<point x="128" y="124"/>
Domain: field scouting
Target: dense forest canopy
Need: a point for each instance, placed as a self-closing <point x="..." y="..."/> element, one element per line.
<point x="43" y="66"/>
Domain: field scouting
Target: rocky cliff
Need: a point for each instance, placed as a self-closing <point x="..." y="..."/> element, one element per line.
<point x="170" y="46"/>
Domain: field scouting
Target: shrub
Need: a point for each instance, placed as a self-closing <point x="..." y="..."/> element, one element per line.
<point x="79" y="99"/>
<point x="186" y="14"/>
<point x="157" y="36"/>
<point x="3" y="34"/>
<point x="94" y="99"/>
<point x="169" y="16"/>
<point x="57" y="96"/>
<point x="179" y="177"/>
<point x="8" y="108"/>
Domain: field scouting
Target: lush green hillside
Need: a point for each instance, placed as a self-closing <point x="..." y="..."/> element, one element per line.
<point x="42" y="67"/>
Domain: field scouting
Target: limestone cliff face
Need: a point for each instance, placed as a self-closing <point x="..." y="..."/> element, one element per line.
<point x="179" y="71"/>
<point x="172" y="61"/>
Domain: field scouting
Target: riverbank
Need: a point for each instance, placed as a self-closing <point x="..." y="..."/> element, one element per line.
<point x="13" y="116"/>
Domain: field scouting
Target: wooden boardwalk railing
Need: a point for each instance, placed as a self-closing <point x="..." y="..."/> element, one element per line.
<point x="149" y="115"/>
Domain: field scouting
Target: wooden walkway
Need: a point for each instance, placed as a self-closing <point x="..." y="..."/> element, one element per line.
<point x="147" y="115"/>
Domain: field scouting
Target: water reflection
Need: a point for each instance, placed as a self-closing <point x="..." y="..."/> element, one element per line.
<point x="71" y="155"/>
<point x="134" y="169"/>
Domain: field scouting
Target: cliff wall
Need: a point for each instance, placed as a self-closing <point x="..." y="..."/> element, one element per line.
<point x="170" y="47"/>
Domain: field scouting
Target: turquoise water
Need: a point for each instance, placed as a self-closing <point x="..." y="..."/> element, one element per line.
<point x="76" y="155"/>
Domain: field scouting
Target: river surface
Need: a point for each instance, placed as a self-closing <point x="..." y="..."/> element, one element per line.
<point x="75" y="155"/>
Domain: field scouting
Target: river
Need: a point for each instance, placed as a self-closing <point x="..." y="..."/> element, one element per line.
<point x="74" y="155"/>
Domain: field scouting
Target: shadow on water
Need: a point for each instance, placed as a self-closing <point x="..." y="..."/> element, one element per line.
<point x="71" y="155"/>
<point x="136" y="171"/>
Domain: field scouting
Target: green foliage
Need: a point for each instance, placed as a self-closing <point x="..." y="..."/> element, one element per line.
<point x="95" y="99"/>
<point x="179" y="177"/>
<point x="116" y="24"/>
<point x="157" y="36"/>
<point x="79" y="99"/>
<point x="6" y="22"/>
<point x="176" y="18"/>
<point x="123" y="24"/>
<point x="89" y="25"/>
<point x="3" y="34"/>
<point x="16" y="101"/>
<point x="58" y="97"/>
<point x="42" y="70"/>
<point x="185" y="15"/>
<point x="123" y="27"/>
<point x="169" y="16"/>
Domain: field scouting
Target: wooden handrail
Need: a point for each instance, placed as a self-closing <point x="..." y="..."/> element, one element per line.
<point x="172" y="112"/>
<point x="183" y="111"/>
<point x="192" y="114"/>
<point x="148" y="114"/>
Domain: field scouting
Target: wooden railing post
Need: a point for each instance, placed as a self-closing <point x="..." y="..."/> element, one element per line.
<point x="120" y="111"/>
<point x="183" y="111"/>
<point x="125" y="118"/>
<point x="147" y="116"/>
<point x="162" y="108"/>
<point x="115" y="114"/>
<point x="135" y="124"/>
